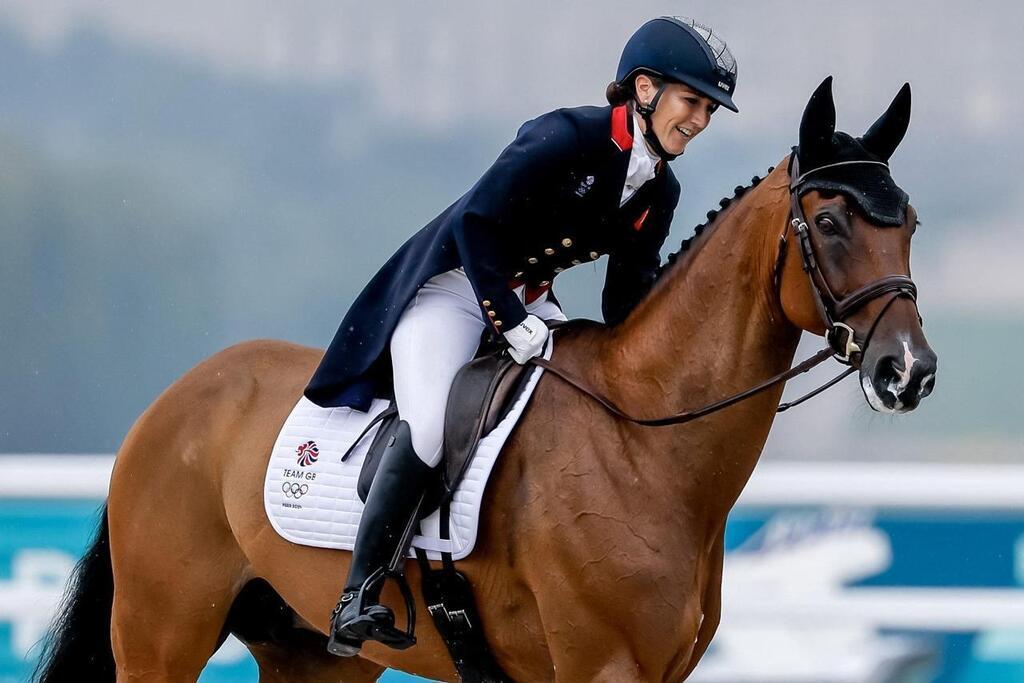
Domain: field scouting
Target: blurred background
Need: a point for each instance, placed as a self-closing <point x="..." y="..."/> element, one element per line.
<point x="178" y="177"/>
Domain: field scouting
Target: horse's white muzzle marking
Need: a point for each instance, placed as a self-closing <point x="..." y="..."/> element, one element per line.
<point x="897" y="385"/>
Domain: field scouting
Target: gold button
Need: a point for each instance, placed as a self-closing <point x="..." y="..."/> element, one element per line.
<point x="497" y="323"/>
<point x="519" y="274"/>
<point x="531" y="260"/>
<point x="594" y="255"/>
<point x="567" y="242"/>
<point x="486" y="303"/>
<point x="549" y="251"/>
<point x="491" y="313"/>
<point x="545" y="283"/>
<point x="559" y="269"/>
<point x="576" y="262"/>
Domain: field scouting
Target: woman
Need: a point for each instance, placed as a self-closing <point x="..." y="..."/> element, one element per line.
<point x="572" y="186"/>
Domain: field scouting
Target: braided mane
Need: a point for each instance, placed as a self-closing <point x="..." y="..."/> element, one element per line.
<point x="712" y="215"/>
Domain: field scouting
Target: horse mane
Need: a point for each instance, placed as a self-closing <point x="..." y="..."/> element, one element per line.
<point x="712" y="220"/>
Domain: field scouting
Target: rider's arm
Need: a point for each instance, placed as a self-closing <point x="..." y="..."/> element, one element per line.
<point x="633" y="267"/>
<point x="484" y="228"/>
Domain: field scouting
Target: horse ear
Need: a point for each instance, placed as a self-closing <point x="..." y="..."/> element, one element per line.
<point x="817" y="125"/>
<point x="885" y="135"/>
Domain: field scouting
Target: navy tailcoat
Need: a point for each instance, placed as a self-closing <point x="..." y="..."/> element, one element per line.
<point x="549" y="202"/>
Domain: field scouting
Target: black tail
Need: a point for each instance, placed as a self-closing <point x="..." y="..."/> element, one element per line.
<point x="78" y="644"/>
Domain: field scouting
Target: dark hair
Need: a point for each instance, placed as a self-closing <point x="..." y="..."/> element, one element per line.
<point x="619" y="93"/>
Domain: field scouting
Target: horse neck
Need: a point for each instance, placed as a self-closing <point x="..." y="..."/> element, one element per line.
<point x="711" y="327"/>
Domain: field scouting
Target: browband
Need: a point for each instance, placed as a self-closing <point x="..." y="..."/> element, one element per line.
<point x="800" y="179"/>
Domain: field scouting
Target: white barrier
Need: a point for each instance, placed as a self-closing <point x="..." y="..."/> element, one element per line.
<point x="884" y="485"/>
<point x="38" y="475"/>
<point x="793" y="609"/>
<point x="887" y="485"/>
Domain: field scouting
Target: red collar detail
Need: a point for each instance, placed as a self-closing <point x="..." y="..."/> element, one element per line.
<point x="621" y="136"/>
<point x="639" y="222"/>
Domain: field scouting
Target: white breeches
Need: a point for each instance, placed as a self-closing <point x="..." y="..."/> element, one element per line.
<point x="438" y="333"/>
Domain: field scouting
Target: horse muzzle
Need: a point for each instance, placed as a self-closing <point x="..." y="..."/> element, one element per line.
<point x="896" y="377"/>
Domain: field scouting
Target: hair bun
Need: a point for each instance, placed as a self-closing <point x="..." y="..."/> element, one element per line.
<point x="617" y="94"/>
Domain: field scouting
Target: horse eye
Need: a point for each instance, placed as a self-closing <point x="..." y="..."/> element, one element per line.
<point x="826" y="225"/>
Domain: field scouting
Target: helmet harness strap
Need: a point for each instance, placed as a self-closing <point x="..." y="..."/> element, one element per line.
<point x="646" y="110"/>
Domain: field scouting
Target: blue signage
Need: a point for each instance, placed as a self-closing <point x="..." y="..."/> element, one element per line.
<point x="832" y="594"/>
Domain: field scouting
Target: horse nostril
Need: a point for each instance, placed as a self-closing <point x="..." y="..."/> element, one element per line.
<point x="927" y="384"/>
<point x="888" y="372"/>
<point x="892" y="379"/>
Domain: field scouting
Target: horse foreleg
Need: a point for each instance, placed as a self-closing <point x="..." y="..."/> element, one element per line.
<point x="711" y="604"/>
<point x="589" y="642"/>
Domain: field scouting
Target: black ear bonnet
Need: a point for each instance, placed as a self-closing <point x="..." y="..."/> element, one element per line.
<point x="833" y="161"/>
<point x="870" y="186"/>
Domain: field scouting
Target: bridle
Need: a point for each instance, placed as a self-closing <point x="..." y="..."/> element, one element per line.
<point x="843" y="344"/>
<point x="834" y="310"/>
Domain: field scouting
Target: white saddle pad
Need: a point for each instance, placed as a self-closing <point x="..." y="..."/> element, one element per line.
<point x="310" y="494"/>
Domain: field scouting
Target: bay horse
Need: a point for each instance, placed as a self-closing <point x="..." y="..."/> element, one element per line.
<point x="601" y="544"/>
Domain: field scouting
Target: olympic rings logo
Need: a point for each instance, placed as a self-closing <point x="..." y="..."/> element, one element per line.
<point x="294" y="490"/>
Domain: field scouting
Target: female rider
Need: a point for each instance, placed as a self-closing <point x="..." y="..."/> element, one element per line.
<point x="575" y="184"/>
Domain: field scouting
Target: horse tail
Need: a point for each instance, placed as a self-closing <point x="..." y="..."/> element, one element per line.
<point x="78" y="644"/>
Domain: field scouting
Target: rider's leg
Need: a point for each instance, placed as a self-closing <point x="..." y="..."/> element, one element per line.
<point x="438" y="333"/>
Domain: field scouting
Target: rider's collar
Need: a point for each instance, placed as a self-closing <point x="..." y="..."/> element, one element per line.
<point x="645" y="148"/>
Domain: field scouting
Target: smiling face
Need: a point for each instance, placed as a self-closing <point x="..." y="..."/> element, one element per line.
<point x="682" y="112"/>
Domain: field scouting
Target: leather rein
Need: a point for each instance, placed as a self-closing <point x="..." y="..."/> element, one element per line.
<point x="843" y="344"/>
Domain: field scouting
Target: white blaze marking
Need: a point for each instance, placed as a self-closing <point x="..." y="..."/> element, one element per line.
<point x="897" y="387"/>
<point x="904" y="379"/>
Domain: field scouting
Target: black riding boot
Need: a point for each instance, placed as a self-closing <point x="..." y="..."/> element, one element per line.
<point x="394" y="498"/>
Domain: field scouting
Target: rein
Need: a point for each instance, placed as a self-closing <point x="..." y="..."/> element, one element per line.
<point x="842" y="342"/>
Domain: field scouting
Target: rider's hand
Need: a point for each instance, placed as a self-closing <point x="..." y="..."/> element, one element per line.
<point x="526" y="339"/>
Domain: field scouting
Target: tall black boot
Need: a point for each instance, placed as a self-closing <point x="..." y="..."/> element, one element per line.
<point x="391" y="504"/>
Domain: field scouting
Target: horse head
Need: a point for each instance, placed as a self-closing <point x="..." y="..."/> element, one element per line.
<point x="853" y="228"/>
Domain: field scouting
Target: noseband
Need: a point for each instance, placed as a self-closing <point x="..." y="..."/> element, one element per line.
<point x="835" y="310"/>
<point x="843" y="344"/>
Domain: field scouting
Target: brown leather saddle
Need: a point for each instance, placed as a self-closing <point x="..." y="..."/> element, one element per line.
<point x="482" y="394"/>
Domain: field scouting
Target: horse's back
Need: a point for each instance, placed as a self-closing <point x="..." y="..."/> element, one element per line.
<point x="215" y="395"/>
<point x="215" y="424"/>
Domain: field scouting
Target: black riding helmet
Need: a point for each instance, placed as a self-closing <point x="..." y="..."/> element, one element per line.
<point x="681" y="50"/>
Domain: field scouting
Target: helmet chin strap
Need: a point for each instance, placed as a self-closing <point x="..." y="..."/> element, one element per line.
<point x="646" y="110"/>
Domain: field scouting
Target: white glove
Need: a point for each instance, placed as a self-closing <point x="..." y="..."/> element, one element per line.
<point x="526" y="339"/>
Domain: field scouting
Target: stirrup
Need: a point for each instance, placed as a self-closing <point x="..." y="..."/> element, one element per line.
<point x="341" y="644"/>
<point x="374" y="622"/>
